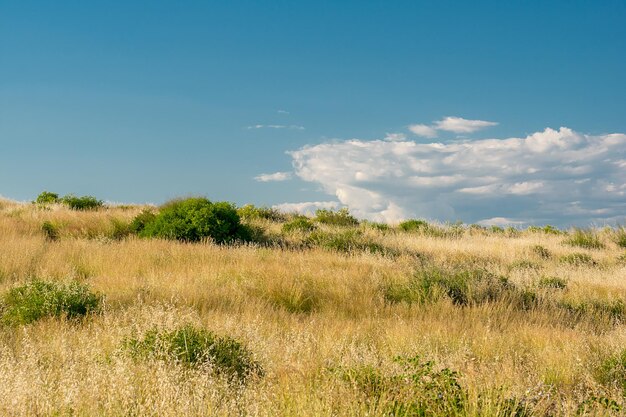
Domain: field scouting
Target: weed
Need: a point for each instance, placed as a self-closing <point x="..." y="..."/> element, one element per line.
<point x="50" y="231"/>
<point x="553" y="282"/>
<point x="587" y="239"/>
<point x="542" y="252"/>
<point x="38" y="299"/>
<point x="578" y="259"/>
<point x="299" y="223"/>
<point x="191" y="346"/>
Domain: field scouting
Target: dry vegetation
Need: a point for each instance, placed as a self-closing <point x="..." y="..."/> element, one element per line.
<point x="448" y="321"/>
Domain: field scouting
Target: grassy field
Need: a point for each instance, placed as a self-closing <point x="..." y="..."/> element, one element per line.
<point x="358" y="320"/>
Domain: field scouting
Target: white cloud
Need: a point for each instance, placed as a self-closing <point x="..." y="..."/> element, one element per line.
<point x="395" y="137"/>
<point x="294" y="127"/>
<point x="276" y="176"/>
<point x="461" y="125"/>
<point x="424" y="130"/>
<point x="554" y="176"/>
<point x="307" y="208"/>
<point x="499" y="221"/>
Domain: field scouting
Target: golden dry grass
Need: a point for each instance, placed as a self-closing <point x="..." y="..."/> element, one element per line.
<point x="304" y="314"/>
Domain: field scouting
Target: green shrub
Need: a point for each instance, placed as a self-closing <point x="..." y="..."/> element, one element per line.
<point x="413" y="225"/>
<point x="46" y="197"/>
<point x="578" y="259"/>
<point x="250" y="211"/>
<point x="542" y="252"/>
<point x="611" y="310"/>
<point x="194" y="219"/>
<point x="525" y="264"/>
<point x="553" y="282"/>
<point x="461" y="287"/>
<point x="299" y="223"/>
<point x="50" y="231"/>
<point x="197" y="347"/>
<point x="381" y="227"/>
<point x="587" y="239"/>
<point x="612" y="372"/>
<point x="86" y="202"/>
<point x="119" y="229"/>
<point x="620" y="236"/>
<point x="38" y="299"/>
<point x="335" y="218"/>
<point x="347" y="241"/>
<point x="141" y="220"/>
<point x="416" y="389"/>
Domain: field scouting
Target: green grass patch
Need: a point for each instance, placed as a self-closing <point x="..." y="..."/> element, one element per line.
<point x="584" y="238"/>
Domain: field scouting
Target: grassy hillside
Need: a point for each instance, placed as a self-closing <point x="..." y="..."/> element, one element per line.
<point x="316" y="318"/>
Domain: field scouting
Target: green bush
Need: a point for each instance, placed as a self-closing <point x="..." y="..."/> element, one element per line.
<point x="141" y="220"/>
<point x="46" y="197"/>
<point x="587" y="239"/>
<point x="578" y="259"/>
<point x="335" y="218"/>
<point x="542" y="252"/>
<point x="620" y="236"/>
<point x="598" y="310"/>
<point x="86" y="202"/>
<point x="612" y="372"/>
<point x="347" y="241"/>
<point x="299" y="223"/>
<point x="553" y="282"/>
<point x="197" y="347"/>
<point x="250" y="211"/>
<point x="50" y="231"/>
<point x="417" y="389"/>
<point x="194" y="219"/>
<point x="465" y="287"/>
<point x="413" y="225"/>
<point x="38" y="299"/>
<point x="119" y="229"/>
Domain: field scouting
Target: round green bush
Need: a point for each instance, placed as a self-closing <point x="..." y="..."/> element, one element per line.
<point x="194" y="219"/>
<point x="47" y="197"/>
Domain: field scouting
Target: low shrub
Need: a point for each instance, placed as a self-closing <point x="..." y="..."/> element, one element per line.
<point x="413" y="225"/>
<point x="38" y="299"/>
<point x="578" y="259"/>
<point x="194" y="219"/>
<point x="415" y="389"/>
<point x="613" y="311"/>
<point x="50" y="231"/>
<point x="46" y="197"/>
<point x="119" y="229"/>
<point x="612" y="372"/>
<point x="587" y="239"/>
<point x="553" y="282"/>
<point x="461" y="287"/>
<point x="619" y="236"/>
<point x="141" y="220"/>
<point x="297" y="299"/>
<point x="341" y="217"/>
<point x="348" y="241"/>
<point x="300" y="224"/>
<point x="86" y="202"/>
<point x="525" y="264"/>
<point x="195" y="347"/>
<point x="547" y="229"/>
<point x="250" y="211"/>
<point x="542" y="252"/>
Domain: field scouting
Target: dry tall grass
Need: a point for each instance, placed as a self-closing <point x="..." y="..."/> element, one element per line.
<point x="310" y="317"/>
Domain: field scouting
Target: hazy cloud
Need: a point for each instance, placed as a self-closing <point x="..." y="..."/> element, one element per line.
<point x="553" y="176"/>
<point x="424" y="130"/>
<point x="276" y="176"/>
<point x="395" y="137"/>
<point x="461" y="125"/>
<point x="282" y="112"/>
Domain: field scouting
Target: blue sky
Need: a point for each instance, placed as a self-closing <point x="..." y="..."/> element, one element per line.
<point x="141" y="101"/>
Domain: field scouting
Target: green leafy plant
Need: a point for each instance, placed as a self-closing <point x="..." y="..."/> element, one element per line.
<point x="347" y="241"/>
<point x="299" y="223"/>
<point x="47" y="197"/>
<point x="141" y="220"/>
<point x="413" y="225"/>
<point x="341" y="217"/>
<point x="38" y="299"/>
<point x="86" y="202"/>
<point x="553" y="282"/>
<point x="50" y="231"/>
<point x="194" y="219"/>
<point x="195" y="347"/>
<point x="578" y="259"/>
<point x="250" y="211"/>
<point x="587" y="239"/>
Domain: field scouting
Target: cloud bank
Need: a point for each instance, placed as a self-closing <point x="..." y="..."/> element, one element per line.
<point x="554" y="176"/>
<point x="276" y="176"/>
<point x="450" y="124"/>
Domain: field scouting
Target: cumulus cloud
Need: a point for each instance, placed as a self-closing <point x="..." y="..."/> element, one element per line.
<point x="553" y="176"/>
<point x="424" y="130"/>
<point x="307" y="208"/>
<point x="461" y="125"/>
<point x="294" y="127"/>
<point x="276" y="176"/>
<point x="393" y="137"/>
